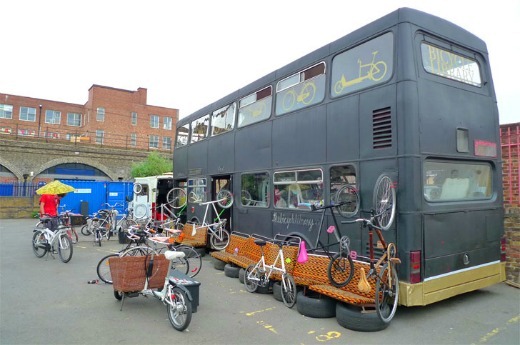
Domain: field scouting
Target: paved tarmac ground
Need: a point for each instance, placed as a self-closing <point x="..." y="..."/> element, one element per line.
<point x="44" y="301"/>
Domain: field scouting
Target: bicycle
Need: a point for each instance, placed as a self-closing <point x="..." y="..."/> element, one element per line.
<point x="218" y="235"/>
<point x="304" y="96"/>
<point x="382" y="269"/>
<point x="64" y="218"/>
<point x="44" y="240"/>
<point x="259" y="274"/>
<point x="375" y="71"/>
<point x="175" y="296"/>
<point x="341" y="266"/>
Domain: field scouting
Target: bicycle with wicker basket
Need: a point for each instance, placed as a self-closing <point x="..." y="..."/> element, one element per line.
<point x="150" y="275"/>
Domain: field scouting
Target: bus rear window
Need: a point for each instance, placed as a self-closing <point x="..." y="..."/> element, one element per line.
<point x="456" y="181"/>
<point x="450" y="65"/>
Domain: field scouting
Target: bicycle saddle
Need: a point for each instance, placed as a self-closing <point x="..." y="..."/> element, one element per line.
<point x="261" y="243"/>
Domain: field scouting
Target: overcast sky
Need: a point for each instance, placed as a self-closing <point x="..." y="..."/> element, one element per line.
<point x="191" y="53"/>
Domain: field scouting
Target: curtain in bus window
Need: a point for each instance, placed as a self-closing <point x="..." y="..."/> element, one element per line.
<point x="366" y="65"/>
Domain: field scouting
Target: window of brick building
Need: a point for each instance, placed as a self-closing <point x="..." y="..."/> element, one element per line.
<point x="100" y="135"/>
<point x="134" y="118"/>
<point x="154" y="121"/>
<point x="100" y="115"/>
<point x="53" y="117"/>
<point x="6" y="111"/>
<point x="167" y="123"/>
<point x="153" y="142"/>
<point x="133" y="139"/>
<point x="74" y="119"/>
<point x="27" y="114"/>
<point x="167" y="143"/>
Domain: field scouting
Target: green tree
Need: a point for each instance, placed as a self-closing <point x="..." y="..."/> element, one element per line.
<point x="155" y="164"/>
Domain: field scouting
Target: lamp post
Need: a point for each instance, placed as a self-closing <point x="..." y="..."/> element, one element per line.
<point x="40" y="121"/>
<point x="25" y="176"/>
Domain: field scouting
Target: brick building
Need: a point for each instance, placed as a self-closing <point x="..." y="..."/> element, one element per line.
<point x="510" y="141"/>
<point x="110" y="117"/>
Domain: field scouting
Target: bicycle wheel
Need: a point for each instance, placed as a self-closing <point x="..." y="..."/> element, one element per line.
<point x="288" y="290"/>
<point x="387" y="293"/>
<point x="86" y="230"/>
<point x="251" y="278"/>
<point x="137" y="188"/>
<point x="225" y="198"/>
<point x="308" y="92"/>
<point x="179" y="308"/>
<point x="65" y="248"/>
<point x="176" y="197"/>
<point x="347" y="198"/>
<point x="39" y="244"/>
<point x="141" y="211"/>
<point x="103" y="268"/>
<point x="192" y="261"/>
<point x="138" y="251"/>
<point x="219" y="239"/>
<point x="97" y="236"/>
<point x="340" y="270"/>
<point x="245" y="197"/>
<point x="384" y="201"/>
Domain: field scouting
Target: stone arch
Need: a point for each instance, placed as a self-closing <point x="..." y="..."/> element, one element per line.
<point x="14" y="169"/>
<point x="81" y="160"/>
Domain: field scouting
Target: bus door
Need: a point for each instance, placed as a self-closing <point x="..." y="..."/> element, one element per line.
<point x="218" y="183"/>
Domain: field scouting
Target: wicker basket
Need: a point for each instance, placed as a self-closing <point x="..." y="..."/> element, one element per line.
<point x="129" y="273"/>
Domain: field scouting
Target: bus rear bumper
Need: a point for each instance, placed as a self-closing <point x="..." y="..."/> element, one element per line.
<point x="442" y="287"/>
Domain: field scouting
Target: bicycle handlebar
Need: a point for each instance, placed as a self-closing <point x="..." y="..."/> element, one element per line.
<point x="112" y="206"/>
<point x="212" y="202"/>
<point x="315" y="207"/>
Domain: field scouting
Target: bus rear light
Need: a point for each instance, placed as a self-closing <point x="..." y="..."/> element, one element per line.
<point x="415" y="266"/>
<point x="503" y="249"/>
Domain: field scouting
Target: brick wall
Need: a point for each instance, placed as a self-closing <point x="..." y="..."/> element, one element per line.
<point x="510" y="142"/>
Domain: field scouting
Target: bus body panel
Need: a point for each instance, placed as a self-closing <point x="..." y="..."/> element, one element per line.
<point x="299" y="140"/>
<point x="258" y="143"/>
<point x="220" y="157"/>
<point x="342" y="130"/>
<point x="198" y="159"/>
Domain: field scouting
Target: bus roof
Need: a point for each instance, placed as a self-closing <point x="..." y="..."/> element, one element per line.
<point x="439" y="26"/>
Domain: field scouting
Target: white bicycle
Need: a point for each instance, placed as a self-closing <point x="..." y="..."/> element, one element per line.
<point x="46" y="241"/>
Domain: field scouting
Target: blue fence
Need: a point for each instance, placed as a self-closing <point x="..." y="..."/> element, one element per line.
<point x="87" y="198"/>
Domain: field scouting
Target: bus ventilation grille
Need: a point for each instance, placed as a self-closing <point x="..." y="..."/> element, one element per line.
<point x="382" y="128"/>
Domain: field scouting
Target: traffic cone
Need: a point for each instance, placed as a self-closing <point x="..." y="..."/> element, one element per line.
<point x="302" y="256"/>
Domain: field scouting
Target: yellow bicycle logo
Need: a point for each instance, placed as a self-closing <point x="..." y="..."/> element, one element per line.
<point x="374" y="71"/>
<point x="305" y="96"/>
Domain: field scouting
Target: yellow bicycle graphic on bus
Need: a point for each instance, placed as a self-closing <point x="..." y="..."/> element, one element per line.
<point x="305" y="96"/>
<point x="374" y="71"/>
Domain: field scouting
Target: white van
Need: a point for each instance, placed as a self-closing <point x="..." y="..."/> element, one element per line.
<point x="150" y="194"/>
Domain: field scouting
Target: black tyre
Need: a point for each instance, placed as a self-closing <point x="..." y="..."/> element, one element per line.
<point x="103" y="269"/>
<point x="39" y="244"/>
<point x="85" y="230"/>
<point x="219" y="265"/>
<point x="289" y="290"/>
<point x="179" y="309"/>
<point x="118" y="295"/>
<point x="315" y="305"/>
<point x="241" y="274"/>
<point x="231" y="271"/>
<point x="251" y="278"/>
<point x="219" y="243"/>
<point x="356" y="319"/>
<point x="340" y="270"/>
<point x="277" y="291"/>
<point x="65" y="248"/>
<point x="387" y="294"/>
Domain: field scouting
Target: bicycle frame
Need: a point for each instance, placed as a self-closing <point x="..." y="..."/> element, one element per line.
<point x="215" y="228"/>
